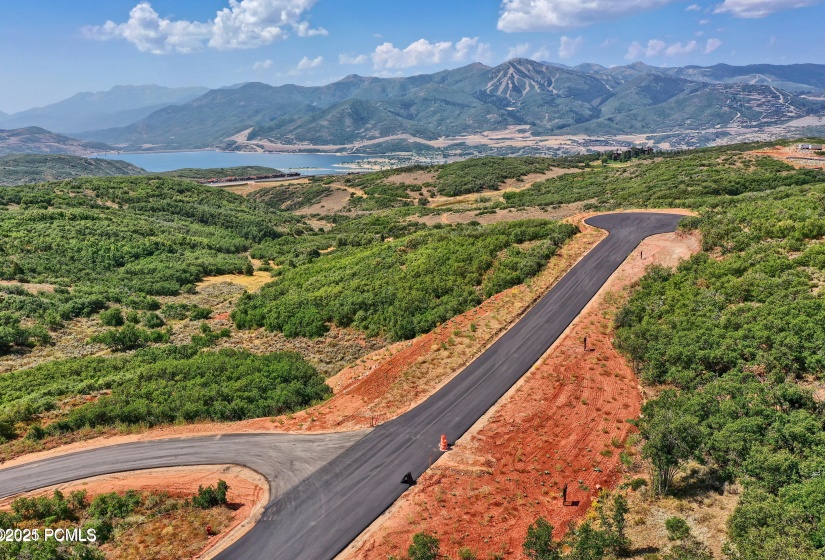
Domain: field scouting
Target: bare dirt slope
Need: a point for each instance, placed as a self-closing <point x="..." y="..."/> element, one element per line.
<point x="565" y="423"/>
<point x="795" y="157"/>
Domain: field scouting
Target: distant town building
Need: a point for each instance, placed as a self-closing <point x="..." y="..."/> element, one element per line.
<point x="814" y="147"/>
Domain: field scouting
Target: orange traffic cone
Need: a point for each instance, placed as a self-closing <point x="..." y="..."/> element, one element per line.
<point x="444" y="445"/>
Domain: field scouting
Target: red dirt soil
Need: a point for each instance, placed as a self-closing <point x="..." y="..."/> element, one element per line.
<point x="564" y="423"/>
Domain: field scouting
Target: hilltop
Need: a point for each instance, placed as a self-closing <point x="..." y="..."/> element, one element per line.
<point x="36" y="140"/>
<point x="21" y="169"/>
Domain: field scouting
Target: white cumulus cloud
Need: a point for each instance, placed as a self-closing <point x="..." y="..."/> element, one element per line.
<point x="424" y="53"/>
<point x="548" y="15"/>
<point x="243" y="24"/>
<point x="677" y="49"/>
<point x="542" y="54"/>
<point x="353" y="59"/>
<point x="569" y="46"/>
<point x="262" y="65"/>
<point x="307" y="63"/>
<point x="712" y="45"/>
<point x="657" y="47"/>
<point x="761" y="8"/>
<point x="518" y="51"/>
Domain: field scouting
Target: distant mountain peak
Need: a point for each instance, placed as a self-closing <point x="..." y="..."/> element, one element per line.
<point x="641" y="66"/>
<point x="517" y="77"/>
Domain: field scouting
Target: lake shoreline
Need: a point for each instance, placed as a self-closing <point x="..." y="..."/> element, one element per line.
<point x="306" y="163"/>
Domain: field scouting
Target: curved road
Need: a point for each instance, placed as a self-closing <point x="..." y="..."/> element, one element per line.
<point x="316" y="511"/>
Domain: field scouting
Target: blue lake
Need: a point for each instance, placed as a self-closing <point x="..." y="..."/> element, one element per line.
<point x="306" y="164"/>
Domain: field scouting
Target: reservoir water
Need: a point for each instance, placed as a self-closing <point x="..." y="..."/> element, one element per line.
<point x="306" y="164"/>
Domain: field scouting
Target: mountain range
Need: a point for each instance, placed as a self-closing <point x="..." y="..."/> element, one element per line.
<point x="521" y="95"/>
<point x="792" y="77"/>
<point x="542" y="98"/>
<point x="119" y="106"/>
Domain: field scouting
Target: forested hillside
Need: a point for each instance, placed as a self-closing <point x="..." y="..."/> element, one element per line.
<point x="220" y="172"/>
<point x="401" y="287"/>
<point x="736" y="336"/>
<point x="123" y="254"/>
<point x="117" y="241"/>
<point x="732" y="340"/>
<point x="696" y="179"/>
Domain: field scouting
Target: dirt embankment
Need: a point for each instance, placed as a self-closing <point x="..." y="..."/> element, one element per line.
<point x="565" y="423"/>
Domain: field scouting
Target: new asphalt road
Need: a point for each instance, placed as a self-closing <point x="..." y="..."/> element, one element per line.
<point x="316" y="518"/>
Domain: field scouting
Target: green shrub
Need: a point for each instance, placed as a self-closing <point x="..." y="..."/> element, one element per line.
<point x="129" y="337"/>
<point x="7" y="430"/>
<point x="36" y="432"/>
<point x="176" y="311"/>
<point x="104" y="529"/>
<point x="200" y="313"/>
<point x="13" y="335"/>
<point x="49" y="510"/>
<point x="113" y="505"/>
<point x="638" y="483"/>
<point x="112" y="317"/>
<point x="152" y="320"/>
<point x="677" y="529"/>
<point x="210" y="497"/>
<point x="144" y="303"/>
<point x="423" y="547"/>
<point x="539" y="544"/>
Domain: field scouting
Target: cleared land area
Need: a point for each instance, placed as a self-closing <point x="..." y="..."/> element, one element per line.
<point x="565" y="423"/>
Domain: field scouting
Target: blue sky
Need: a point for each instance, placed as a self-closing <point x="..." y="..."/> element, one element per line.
<point x="52" y="49"/>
